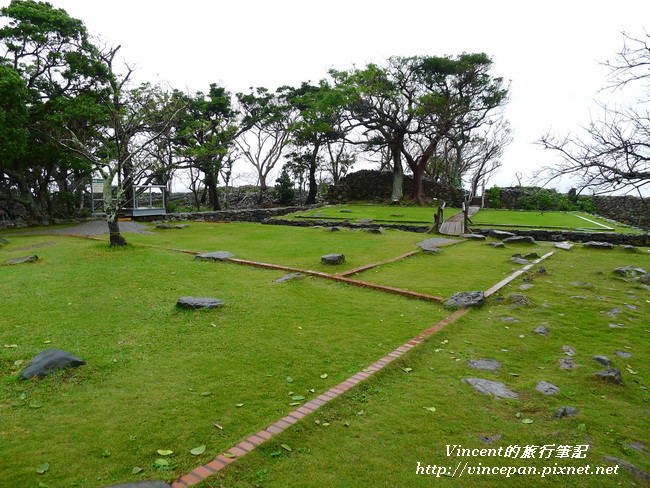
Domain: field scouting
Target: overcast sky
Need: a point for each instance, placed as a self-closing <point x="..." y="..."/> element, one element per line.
<point x="549" y="50"/>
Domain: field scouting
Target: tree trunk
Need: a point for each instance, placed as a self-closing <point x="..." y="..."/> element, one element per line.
<point x="313" y="186"/>
<point x="116" y="239"/>
<point x="213" y="193"/>
<point x="417" y="194"/>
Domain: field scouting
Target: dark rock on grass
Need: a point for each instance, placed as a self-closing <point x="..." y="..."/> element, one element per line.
<point x="645" y="279"/>
<point x="332" y="229"/>
<point x="631" y="468"/>
<point x="215" y="256"/>
<point x="612" y="375"/>
<point x="547" y="388"/>
<point x="565" y="412"/>
<point x="396" y="215"/>
<point x="564" y="245"/>
<point x="604" y="360"/>
<point x="487" y="387"/>
<point x="333" y="258"/>
<point x="629" y="271"/>
<point x="541" y="330"/>
<point x="531" y="255"/>
<point x="49" y="360"/>
<point x="141" y="484"/>
<point x="181" y="226"/>
<point x="345" y="210"/>
<point x="466" y="299"/>
<point x="484" y="364"/>
<point x="288" y="277"/>
<point x="25" y="259"/>
<point x="490" y="439"/>
<point x="567" y="363"/>
<point x="374" y="231"/>
<point x="541" y="270"/>
<point x="519" y="240"/>
<point x="519" y="261"/>
<point x="598" y="245"/>
<point x="194" y="303"/>
<point x="495" y="244"/>
<point x="623" y="354"/>
<point x="519" y="300"/>
<point x="500" y="234"/>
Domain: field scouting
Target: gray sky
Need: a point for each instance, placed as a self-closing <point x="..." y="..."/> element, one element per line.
<point x="549" y="50"/>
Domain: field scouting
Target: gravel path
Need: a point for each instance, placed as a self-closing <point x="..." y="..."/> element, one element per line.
<point x="90" y="228"/>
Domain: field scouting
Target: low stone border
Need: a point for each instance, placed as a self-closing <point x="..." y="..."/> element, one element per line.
<point x="575" y="236"/>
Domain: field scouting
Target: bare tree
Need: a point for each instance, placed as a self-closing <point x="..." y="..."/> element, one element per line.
<point x="613" y="152"/>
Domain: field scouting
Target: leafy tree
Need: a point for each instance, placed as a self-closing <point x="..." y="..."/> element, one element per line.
<point x="613" y="151"/>
<point x="284" y="188"/>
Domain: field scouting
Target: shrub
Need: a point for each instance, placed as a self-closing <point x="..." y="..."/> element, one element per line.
<point x="494" y="196"/>
<point x="284" y="188"/>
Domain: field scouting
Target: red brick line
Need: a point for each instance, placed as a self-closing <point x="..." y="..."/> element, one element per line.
<point x="507" y="280"/>
<point x="374" y="265"/>
<point x="342" y="279"/>
<point x="222" y="460"/>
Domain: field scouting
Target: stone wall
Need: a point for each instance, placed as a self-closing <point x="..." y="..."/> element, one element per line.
<point x="378" y="186"/>
<point x="241" y="215"/>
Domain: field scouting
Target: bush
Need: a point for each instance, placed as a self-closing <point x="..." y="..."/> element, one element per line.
<point x="494" y="197"/>
<point x="284" y="188"/>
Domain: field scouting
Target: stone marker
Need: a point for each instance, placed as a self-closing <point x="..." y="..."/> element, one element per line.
<point x="623" y="354"/>
<point x="567" y="363"/>
<point x="466" y="299"/>
<point x="495" y="244"/>
<point x="519" y="240"/>
<point x="612" y="375"/>
<point x="547" y="388"/>
<point x="565" y="412"/>
<point x="500" y="234"/>
<point x="487" y="387"/>
<point x="49" y="360"/>
<point x="476" y="237"/>
<point x="288" y="277"/>
<point x="541" y="330"/>
<point x="215" y="256"/>
<point x="484" y="364"/>
<point x="604" y="360"/>
<point x="25" y="259"/>
<point x="332" y="258"/>
<point x="193" y="303"/>
<point x="599" y="245"/>
<point x="564" y="245"/>
<point x="141" y="484"/>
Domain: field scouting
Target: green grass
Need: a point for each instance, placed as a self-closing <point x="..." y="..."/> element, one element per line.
<point x="150" y="366"/>
<point x="378" y="213"/>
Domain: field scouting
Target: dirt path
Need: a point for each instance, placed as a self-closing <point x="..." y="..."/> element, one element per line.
<point x="88" y="229"/>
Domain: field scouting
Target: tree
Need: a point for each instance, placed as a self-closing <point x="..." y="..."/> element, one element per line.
<point x="267" y="117"/>
<point x="613" y="151"/>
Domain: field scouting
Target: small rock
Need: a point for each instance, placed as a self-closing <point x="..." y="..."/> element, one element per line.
<point x="333" y="258"/>
<point x="49" y="360"/>
<point x="629" y="271"/>
<point x="484" y="364"/>
<point x="376" y="231"/>
<point x="487" y="387"/>
<point x="500" y="234"/>
<point x="490" y="439"/>
<point x="614" y="312"/>
<point x="564" y="245"/>
<point x="345" y="210"/>
<point x="466" y="299"/>
<point x="568" y="350"/>
<point x="598" y="245"/>
<point x="25" y="259"/>
<point x="616" y="326"/>
<point x="565" y="412"/>
<point x="612" y="375"/>
<point x="547" y="388"/>
<point x="519" y="261"/>
<point x="541" y="270"/>
<point x="628" y="247"/>
<point x="531" y="255"/>
<point x="638" y="446"/>
<point x="288" y="277"/>
<point x="623" y="354"/>
<point x="519" y="240"/>
<point x="567" y="363"/>
<point x="475" y="237"/>
<point x="525" y="287"/>
<point x="396" y="215"/>
<point x="215" y="256"/>
<point x="332" y="229"/>
<point x="163" y="226"/>
<point x="181" y="226"/>
<point x="645" y="279"/>
<point x="509" y="319"/>
<point x="363" y="221"/>
<point x="193" y="303"/>
<point x="541" y="330"/>
<point x="604" y="360"/>
<point x="495" y="244"/>
<point x="519" y="300"/>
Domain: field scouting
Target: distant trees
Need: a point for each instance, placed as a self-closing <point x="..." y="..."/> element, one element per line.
<point x="613" y="151"/>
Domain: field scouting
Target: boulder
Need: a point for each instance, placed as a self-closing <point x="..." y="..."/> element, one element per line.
<point x="564" y="245"/>
<point x="466" y="299"/>
<point x="598" y="245"/>
<point x="50" y="360"/>
<point x="500" y="234"/>
<point x="565" y="412"/>
<point x="519" y="240"/>
<point x="25" y="259"/>
<point x="333" y="258"/>
<point x="193" y="303"/>
<point x="604" y="360"/>
<point x="547" y="388"/>
<point x="288" y="277"/>
<point x="612" y="375"/>
<point x="488" y="387"/>
<point x="484" y="364"/>
<point x="215" y="256"/>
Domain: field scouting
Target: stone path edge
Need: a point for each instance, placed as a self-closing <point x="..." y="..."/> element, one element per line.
<point x="198" y="474"/>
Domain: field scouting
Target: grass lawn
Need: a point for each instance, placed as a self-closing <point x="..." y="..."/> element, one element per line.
<point x="161" y="378"/>
<point x="378" y="213"/>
